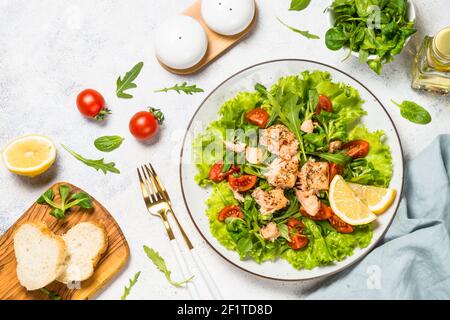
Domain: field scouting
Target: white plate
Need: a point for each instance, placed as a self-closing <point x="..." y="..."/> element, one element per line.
<point x="268" y="73"/>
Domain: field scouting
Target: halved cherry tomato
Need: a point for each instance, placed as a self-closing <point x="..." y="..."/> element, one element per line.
<point x="230" y="212"/>
<point x="324" y="104"/>
<point x="335" y="169"/>
<point x="258" y="117"/>
<point x="293" y="223"/>
<point x="242" y="183"/>
<point x="357" y="148"/>
<point x="298" y="241"/>
<point x="324" y="213"/>
<point x="339" y="225"/>
<point x="216" y="174"/>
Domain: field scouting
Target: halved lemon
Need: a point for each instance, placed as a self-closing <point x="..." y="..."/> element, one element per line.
<point x="346" y="205"/>
<point x="377" y="199"/>
<point x="30" y="155"/>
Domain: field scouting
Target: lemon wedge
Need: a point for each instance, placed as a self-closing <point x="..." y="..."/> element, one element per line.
<point x="377" y="199"/>
<point x="30" y="155"/>
<point x="346" y="205"/>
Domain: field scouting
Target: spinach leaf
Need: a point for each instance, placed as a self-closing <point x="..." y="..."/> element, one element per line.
<point x="108" y="143"/>
<point x="413" y="112"/>
<point x="299" y="5"/>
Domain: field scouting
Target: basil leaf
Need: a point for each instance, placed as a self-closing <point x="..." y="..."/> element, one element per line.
<point x="299" y="5"/>
<point x="304" y="33"/>
<point x="127" y="82"/>
<point x="413" y="112"/>
<point x="335" y="39"/>
<point x="108" y="143"/>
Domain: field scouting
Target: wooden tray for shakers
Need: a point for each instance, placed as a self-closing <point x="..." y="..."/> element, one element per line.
<point x="217" y="43"/>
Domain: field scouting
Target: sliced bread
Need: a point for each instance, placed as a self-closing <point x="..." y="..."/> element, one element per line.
<point x="86" y="242"/>
<point x="40" y="255"/>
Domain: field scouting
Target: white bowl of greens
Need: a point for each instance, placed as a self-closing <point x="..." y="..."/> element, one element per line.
<point x="328" y="252"/>
<point x="375" y="39"/>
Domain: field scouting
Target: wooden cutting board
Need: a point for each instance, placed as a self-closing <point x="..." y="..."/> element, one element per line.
<point x="112" y="261"/>
<point x="217" y="44"/>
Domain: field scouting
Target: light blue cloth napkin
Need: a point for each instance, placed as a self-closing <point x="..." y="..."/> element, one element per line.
<point x="413" y="261"/>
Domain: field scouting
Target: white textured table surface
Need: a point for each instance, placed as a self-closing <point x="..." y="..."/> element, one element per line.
<point x="50" y="50"/>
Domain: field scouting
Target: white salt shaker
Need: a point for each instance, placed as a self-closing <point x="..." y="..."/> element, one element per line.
<point x="228" y="17"/>
<point x="180" y="42"/>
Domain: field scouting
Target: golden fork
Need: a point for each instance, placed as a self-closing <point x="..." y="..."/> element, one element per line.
<point x="157" y="205"/>
<point x="205" y="275"/>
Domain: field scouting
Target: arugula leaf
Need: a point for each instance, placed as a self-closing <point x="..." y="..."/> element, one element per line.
<point x="96" y="164"/>
<point x="132" y="282"/>
<point x="299" y="5"/>
<point x="51" y="294"/>
<point x="184" y="87"/>
<point x="159" y="262"/>
<point x="127" y="82"/>
<point x="413" y="112"/>
<point x="108" y="143"/>
<point x="304" y="33"/>
<point x="338" y="158"/>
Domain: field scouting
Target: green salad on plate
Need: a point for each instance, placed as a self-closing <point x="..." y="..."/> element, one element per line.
<point x="293" y="173"/>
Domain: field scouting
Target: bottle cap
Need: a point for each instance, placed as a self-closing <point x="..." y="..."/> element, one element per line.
<point x="442" y="43"/>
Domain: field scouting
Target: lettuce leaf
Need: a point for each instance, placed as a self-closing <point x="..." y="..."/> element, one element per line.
<point x="221" y="196"/>
<point x="376" y="168"/>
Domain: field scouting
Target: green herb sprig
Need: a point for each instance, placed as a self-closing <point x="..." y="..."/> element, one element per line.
<point x="183" y="88"/>
<point x="304" y="33"/>
<point x="67" y="200"/>
<point x="108" y="143"/>
<point x="413" y="112"/>
<point x="132" y="282"/>
<point x="96" y="164"/>
<point x="51" y="294"/>
<point x="127" y="83"/>
<point x="159" y="262"/>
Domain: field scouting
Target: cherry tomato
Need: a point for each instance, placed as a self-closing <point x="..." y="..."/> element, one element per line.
<point x="91" y="104"/>
<point x="335" y="169"/>
<point x="357" y="148"/>
<point x="258" y="117"/>
<point x="293" y="223"/>
<point x="242" y="183"/>
<point x="324" y="104"/>
<point x="298" y="241"/>
<point x="324" y="213"/>
<point x="339" y="225"/>
<point x="230" y="211"/>
<point x="216" y="174"/>
<point x="145" y="124"/>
